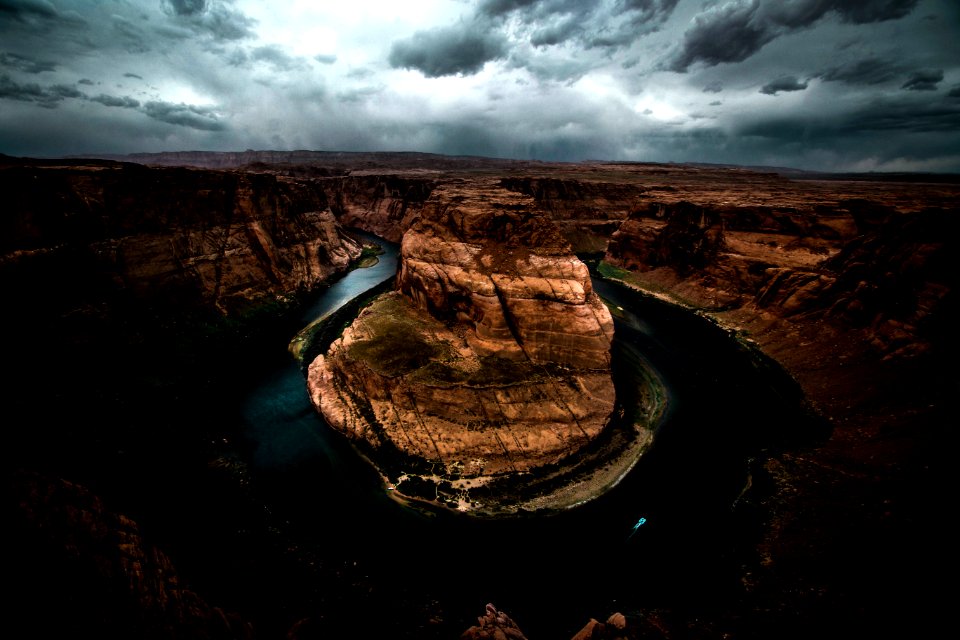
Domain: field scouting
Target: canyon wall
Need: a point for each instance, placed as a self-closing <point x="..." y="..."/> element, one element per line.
<point x="181" y="237"/>
<point x="384" y="205"/>
<point x="859" y="266"/>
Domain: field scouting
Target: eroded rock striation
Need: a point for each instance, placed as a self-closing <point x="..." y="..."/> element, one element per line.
<point x="492" y="357"/>
<point x="190" y="238"/>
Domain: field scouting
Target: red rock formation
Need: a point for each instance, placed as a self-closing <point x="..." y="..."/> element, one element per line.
<point x="492" y="359"/>
<point x="483" y="257"/>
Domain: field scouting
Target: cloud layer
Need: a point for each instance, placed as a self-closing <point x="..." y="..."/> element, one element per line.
<point x="839" y="84"/>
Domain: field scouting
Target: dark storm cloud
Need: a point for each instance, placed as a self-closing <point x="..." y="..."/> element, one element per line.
<point x="185" y="7"/>
<point x="132" y="75"/>
<point x="864" y="12"/>
<point x="498" y="28"/>
<point x="954" y="93"/>
<point x="556" y="33"/>
<point x="21" y="9"/>
<point x="863" y="72"/>
<point x="325" y="58"/>
<point x="735" y="31"/>
<point x="25" y="64"/>
<point x="592" y="24"/>
<point x="503" y="7"/>
<point x="184" y="115"/>
<point x="211" y="18"/>
<point x="446" y="51"/>
<point x="784" y="83"/>
<point x="713" y="87"/>
<point x="223" y="23"/>
<point x="125" y="102"/>
<point x="48" y="97"/>
<point x="131" y="35"/>
<point x="924" y="80"/>
<point x="729" y="33"/>
<point x="276" y="58"/>
<point x="890" y="116"/>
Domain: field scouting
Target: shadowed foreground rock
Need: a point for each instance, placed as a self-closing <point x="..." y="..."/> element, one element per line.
<point x="493" y="625"/>
<point x="497" y="625"/>
<point x="111" y="582"/>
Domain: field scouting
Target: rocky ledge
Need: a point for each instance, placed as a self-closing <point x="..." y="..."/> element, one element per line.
<point x="491" y="359"/>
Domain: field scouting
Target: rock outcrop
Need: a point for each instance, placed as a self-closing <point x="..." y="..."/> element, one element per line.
<point x="493" y="357"/>
<point x="493" y="625"/>
<point x="110" y="581"/>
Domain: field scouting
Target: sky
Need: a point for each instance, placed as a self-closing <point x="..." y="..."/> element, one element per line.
<point x="836" y="85"/>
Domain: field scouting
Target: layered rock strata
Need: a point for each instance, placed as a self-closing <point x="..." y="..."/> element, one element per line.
<point x="493" y="357"/>
<point x="187" y="237"/>
<point x="384" y="205"/>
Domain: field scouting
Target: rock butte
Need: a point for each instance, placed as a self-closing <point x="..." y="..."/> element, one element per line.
<point x="491" y="357"/>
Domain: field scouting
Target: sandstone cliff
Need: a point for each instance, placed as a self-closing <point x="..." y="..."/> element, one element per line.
<point x="587" y="210"/>
<point x="493" y="356"/>
<point x="381" y="204"/>
<point x="188" y="238"/>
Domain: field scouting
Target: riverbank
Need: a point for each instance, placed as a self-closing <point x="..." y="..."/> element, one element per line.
<point x="832" y="509"/>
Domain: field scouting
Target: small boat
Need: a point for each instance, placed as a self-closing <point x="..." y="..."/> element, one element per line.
<point x="642" y="521"/>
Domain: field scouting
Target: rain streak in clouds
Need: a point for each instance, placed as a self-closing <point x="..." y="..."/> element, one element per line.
<point x="820" y="84"/>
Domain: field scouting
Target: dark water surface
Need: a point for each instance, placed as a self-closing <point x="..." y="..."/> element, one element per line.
<point x="358" y="558"/>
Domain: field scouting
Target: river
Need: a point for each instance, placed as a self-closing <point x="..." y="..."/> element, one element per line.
<point x="361" y="558"/>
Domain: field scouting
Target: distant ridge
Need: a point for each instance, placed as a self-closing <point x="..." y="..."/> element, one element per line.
<point x="352" y="159"/>
<point x="346" y="161"/>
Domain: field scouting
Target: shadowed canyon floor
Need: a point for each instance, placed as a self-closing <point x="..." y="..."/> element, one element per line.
<point x="138" y="294"/>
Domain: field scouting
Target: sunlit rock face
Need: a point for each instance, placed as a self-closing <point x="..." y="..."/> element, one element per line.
<point x="494" y="354"/>
<point x="482" y="258"/>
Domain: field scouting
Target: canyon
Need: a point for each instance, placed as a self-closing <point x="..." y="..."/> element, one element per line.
<point x="848" y="282"/>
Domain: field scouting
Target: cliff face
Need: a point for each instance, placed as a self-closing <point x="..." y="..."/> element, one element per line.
<point x="383" y="205"/>
<point x="861" y="266"/>
<point x="482" y="258"/>
<point x="178" y="236"/>
<point x="587" y="211"/>
<point x="492" y="358"/>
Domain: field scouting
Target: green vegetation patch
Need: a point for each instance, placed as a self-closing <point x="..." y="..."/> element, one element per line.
<point x="400" y="343"/>
<point x="607" y="270"/>
<point x="368" y="256"/>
